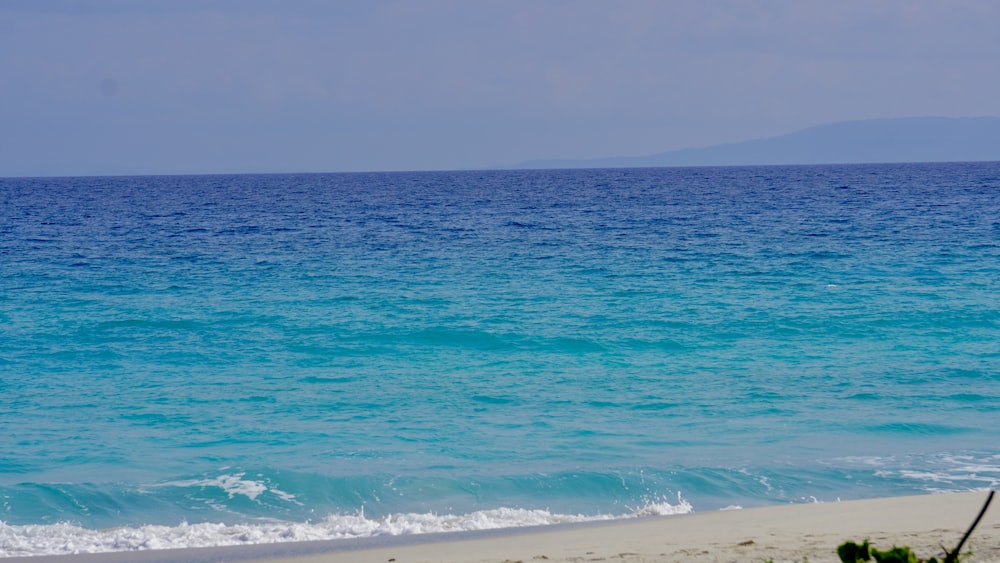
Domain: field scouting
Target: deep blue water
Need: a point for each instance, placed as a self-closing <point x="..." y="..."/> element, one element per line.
<point x="349" y="354"/>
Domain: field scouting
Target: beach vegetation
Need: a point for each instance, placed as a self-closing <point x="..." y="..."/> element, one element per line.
<point x="852" y="552"/>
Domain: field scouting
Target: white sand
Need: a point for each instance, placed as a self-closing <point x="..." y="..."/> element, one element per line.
<point x="780" y="533"/>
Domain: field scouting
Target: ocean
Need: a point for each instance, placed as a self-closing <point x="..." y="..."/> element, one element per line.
<point x="215" y="360"/>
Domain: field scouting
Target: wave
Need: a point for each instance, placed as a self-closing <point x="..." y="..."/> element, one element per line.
<point x="66" y="538"/>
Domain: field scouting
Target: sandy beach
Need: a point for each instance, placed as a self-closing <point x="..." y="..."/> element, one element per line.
<point x="779" y="533"/>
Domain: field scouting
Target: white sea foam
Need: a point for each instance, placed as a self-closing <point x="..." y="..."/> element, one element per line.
<point x="233" y="485"/>
<point x="941" y="474"/>
<point x="17" y="541"/>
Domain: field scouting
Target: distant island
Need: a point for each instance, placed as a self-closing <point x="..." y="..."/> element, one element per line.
<point x="911" y="139"/>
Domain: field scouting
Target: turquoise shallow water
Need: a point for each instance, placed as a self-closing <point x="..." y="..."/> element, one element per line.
<point x="297" y="356"/>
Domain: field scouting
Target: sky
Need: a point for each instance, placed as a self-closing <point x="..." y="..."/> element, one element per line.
<point x="94" y="87"/>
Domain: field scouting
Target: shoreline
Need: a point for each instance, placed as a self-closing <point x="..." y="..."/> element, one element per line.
<point x="790" y="532"/>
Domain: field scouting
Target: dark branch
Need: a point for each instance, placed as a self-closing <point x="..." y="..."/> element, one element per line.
<point x="952" y="556"/>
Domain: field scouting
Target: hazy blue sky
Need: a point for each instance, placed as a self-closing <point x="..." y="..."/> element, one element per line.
<point x="179" y="86"/>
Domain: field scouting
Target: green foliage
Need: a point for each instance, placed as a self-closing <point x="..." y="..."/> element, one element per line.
<point x="851" y="552"/>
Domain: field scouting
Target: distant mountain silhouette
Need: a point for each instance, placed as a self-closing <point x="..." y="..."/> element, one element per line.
<point x="911" y="139"/>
